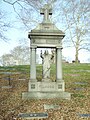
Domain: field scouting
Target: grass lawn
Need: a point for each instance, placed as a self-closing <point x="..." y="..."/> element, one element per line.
<point x="77" y="82"/>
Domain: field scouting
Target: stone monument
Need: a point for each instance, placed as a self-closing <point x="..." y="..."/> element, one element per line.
<point x="46" y="35"/>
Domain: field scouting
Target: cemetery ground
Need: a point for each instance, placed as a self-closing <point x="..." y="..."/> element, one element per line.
<point x="14" y="81"/>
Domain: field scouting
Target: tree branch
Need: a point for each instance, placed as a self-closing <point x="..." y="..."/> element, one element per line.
<point x="10" y="2"/>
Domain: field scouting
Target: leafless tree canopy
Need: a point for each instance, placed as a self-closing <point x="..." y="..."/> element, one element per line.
<point x="3" y="26"/>
<point x="74" y="15"/>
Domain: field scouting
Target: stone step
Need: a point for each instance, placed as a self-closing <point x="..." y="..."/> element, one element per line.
<point x="46" y="95"/>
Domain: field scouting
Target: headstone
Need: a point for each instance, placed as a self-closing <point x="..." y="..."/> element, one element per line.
<point x="21" y="79"/>
<point x="80" y="83"/>
<point x="46" y="35"/>
<point x="33" y="115"/>
<point x="7" y="77"/>
<point x="84" y="115"/>
<point x="79" y="89"/>
<point x="80" y="70"/>
<point x="6" y="73"/>
<point x="51" y="106"/>
<point x="6" y="87"/>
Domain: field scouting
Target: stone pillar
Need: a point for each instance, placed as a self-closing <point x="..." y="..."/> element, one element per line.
<point x="33" y="64"/>
<point x="58" y="64"/>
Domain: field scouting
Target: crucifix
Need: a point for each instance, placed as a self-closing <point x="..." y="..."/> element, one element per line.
<point x="46" y="11"/>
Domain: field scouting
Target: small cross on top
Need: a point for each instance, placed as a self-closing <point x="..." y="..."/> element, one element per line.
<point x="46" y="11"/>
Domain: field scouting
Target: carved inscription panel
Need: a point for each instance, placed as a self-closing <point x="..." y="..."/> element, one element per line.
<point x="46" y="86"/>
<point x="44" y="41"/>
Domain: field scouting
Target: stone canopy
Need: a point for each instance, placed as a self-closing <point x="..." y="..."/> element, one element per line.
<point x="46" y="34"/>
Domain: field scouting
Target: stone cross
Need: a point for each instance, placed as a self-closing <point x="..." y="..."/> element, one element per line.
<point x="46" y="11"/>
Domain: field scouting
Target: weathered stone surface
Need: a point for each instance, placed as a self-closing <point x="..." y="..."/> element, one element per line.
<point x="46" y="61"/>
<point x="80" y="83"/>
<point x="22" y="79"/>
<point x="42" y="37"/>
<point x="46" y="86"/>
<point x="6" y="87"/>
<point x="46" y="35"/>
<point x="46" y="95"/>
<point x="79" y="89"/>
<point x="33" y="115"/>
<point x="51" y="106"/>
<point x="84" y="115"/>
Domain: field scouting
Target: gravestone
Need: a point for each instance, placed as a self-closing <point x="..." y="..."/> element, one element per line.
<point x="22" y="79"/>
<point x="6" y="87"/>
<point x="84" y="115"/>
<point x="33" y="115"/>
<point x="7" y="76"/>
<point x="80" y="83"/>
<point x="46" y="35"/>
<point x="79" y="89"/>
<point x="51" y="106"/>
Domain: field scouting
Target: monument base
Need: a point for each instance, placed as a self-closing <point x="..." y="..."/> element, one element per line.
<point x="46" y="90"/>
<point x="46" y="86"/>
<point x="46" y="95"/>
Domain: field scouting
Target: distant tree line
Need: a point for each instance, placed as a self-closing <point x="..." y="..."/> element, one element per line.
<point x="20" y="55"/>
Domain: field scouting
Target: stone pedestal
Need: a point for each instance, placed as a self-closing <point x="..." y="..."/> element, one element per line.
<point x="46" y="90"/>
<point x="46" y="95"/>
<point x="47" y="86"/>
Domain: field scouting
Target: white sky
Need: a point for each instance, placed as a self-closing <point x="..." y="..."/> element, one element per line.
<point x="16" y="34"/>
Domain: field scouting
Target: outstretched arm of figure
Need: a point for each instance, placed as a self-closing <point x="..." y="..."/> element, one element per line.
<point x="41" y="55"/>
<point x="52" y="56"/>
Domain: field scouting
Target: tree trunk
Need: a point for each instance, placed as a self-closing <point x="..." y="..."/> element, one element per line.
<point x="76" y="55"/>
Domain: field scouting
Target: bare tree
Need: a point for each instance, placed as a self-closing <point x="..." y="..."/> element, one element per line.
<point x="77" y="15"/>
<point x="20" y="55"/>
<point x="29" y="10"/>
<point x="6" y="59"/>
<point x="3" y="26"/>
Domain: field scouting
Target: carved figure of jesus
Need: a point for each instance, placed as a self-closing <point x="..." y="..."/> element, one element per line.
<point x="46" y="61"/>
